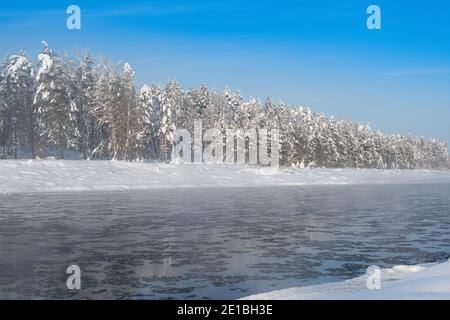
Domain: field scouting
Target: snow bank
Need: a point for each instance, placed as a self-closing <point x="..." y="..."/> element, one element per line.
<point x="50" y="176"/>
<point x="430" y="281"/>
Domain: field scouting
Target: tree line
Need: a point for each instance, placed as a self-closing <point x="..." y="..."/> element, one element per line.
<point x="94" y="109"/>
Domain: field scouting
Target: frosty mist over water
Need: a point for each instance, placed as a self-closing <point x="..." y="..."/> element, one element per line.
<point x="214" y="243"/>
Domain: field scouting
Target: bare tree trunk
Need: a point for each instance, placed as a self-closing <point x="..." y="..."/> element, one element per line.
<point x="164" y="149"/>
<point x="14" y="143"/>
<point x="32" y="134"/>
<point x="113" y="141"/>
<point x="61" y="152"/>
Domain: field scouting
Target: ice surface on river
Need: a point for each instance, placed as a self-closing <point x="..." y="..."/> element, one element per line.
<point x="217" y="243"/>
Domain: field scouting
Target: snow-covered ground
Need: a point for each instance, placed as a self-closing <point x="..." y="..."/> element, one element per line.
<point x="430" y="281"/>
<point x="66" y="175"/>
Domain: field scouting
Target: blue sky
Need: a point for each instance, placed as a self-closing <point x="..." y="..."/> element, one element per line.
<point x="312" y="53"/>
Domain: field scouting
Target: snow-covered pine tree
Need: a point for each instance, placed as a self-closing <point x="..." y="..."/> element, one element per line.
<point x="114" y="108"/>
<point x="217" y="117"/>
<point x="143" y="137"/>
<point x="300" y="134"/>
<point x="190" y="109"/>
<point x="3" y="122"/>
<point x="234" y="102"/>
<point x="155" y="115"/>
<point x="326" y="150"/>
<point x="54" y="106"/>
<point x="340" y="137"/>
<point x="16" y="90"/>
<point x="203" y="101"/>
<point x="287" y="138"/>
<point x="104" y="98"/>
<point x="169" y="98"/>
<point x="267" y="119"/>
<point x="179" y="112"/>
<point x="249" y="111"/>
<point x="87" y="125"/>
<point x="134" y="115"/>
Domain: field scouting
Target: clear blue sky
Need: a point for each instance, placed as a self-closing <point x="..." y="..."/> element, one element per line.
<point x="313" y="53"/>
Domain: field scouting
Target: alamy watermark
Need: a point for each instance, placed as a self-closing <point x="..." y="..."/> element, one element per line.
<point x="373" y="281"/>
<point x="73" y="22"/>
<point x="374" y="20"/>
<point x="232" y="146"/>
<point x="74" y="280"/>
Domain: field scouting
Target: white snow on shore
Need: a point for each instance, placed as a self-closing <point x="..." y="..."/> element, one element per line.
<point x="19" y="176"/>
<point x="430" y="281"/>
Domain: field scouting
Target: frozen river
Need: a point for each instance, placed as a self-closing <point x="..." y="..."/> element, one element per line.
<point x="214" y="243"/>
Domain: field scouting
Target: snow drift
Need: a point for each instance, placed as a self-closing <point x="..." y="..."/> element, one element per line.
<point x="53" y="176"/>
<point x="430" y="281"/>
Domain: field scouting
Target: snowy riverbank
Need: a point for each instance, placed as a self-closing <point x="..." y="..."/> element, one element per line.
<point x="52" y="176"/>
<point x="430" y="281"/>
